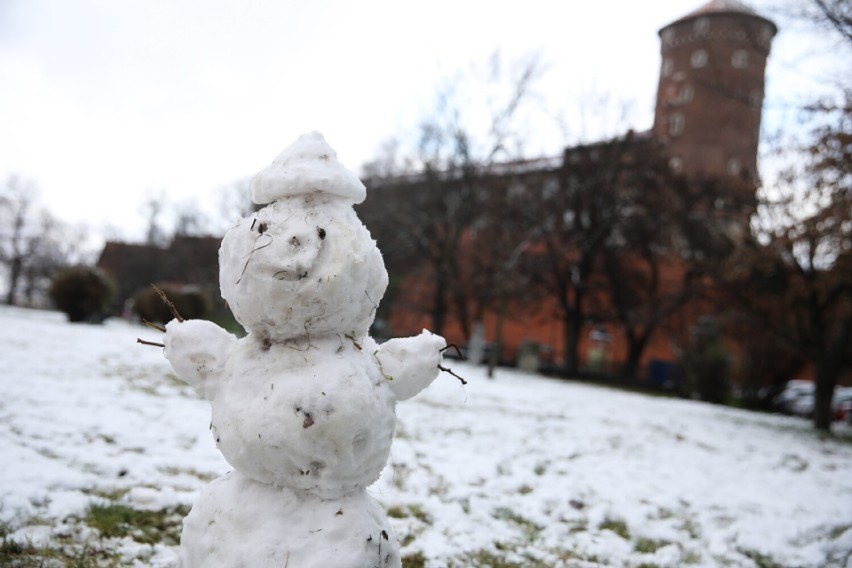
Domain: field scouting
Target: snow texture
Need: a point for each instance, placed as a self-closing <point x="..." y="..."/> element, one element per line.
<point x="309" y="165"/>
<point x="303" y="266"/>
<point x="303" y="408"/>
<point x="250" y="517"/>
<point x="522" y="468"/>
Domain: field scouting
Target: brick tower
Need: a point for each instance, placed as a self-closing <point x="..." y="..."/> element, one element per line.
<point x="710" y="93"/>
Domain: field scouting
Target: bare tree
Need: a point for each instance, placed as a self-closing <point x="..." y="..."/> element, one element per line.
<point x="153" y="209"/>
<point x="190" y="220"/>
<point x="796" y="277"/>
<point x="33" y="243"/>
<point x="16" y="205"/>
<point x="584" y="217"/>
<point x="833" y="15"/>
<point x="422" y="218"/>
<point x="645" y="278"/>
<point x="234" y="201"/>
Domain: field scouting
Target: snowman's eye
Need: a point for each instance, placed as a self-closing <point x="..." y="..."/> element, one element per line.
<point x="262" y="228"/>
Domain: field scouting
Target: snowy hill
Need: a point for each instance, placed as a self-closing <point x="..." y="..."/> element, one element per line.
<point x="103" y="450"/>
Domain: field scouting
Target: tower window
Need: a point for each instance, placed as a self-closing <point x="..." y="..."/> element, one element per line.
<point x="701" y="26"/>
<point x="734" y="167"/>
<point x="676" y="164"/>
<point x="686" y="93"/>
<point x="740" y="59"/>
<point x="676" y="124"/>
<point x="698" y="59"/>
<point x="668" y="67"/>
<point x="549" y="188"/>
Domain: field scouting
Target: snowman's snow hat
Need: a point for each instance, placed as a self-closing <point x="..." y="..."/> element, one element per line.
<point x="308" y="165"/>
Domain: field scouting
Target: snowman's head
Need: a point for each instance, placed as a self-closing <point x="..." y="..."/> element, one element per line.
<point x="304" y="264"/>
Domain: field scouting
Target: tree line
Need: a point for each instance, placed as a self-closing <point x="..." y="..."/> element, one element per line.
<point x="610" y="233"/>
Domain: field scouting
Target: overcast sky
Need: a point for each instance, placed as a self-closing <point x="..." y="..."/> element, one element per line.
<point x="104" y="103"/>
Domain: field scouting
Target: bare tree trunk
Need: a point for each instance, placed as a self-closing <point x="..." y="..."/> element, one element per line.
<point x="15" y="269"/>
<point x="635" y="348"/>
<point x="572" y="326"/>
<point x="824" y="393"/>
<point x="439" y="307"/>
<point x="497" y="344"/>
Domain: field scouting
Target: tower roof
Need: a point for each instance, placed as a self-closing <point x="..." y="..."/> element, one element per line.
<point x="720" y="7"/>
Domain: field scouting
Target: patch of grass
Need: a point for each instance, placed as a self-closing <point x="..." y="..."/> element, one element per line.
<point x="838" y="531"/>
<point x="691" y="528"/>
<point x="690" y="557"/>
<point x="649" y="545"/>
<point x="108" y="494"/>
<point x="418" y="513"/>
<point x="415" y="560"/>
<point x="397" y="512"/>
<point x="11" y="549"/>
<point x="760" y="559"/>
<point x="617" y="526"/>
<point x="412" y="510"/>
<point x="15" y="554"/>
<point x="530" y="529"/>
<point x="407" y="539"/>
<point x="525" y="489"/>
<point x="175" y="381"/>
<point x="148" y="527"/>
<point x="488" y="559"/>
<point x="540" y="468"/>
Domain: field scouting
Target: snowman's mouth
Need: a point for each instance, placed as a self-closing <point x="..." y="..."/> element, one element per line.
<point x="291" y="275"/>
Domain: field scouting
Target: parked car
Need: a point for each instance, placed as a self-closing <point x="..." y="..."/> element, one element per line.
<point x="795" y="390"/>
<point x="798" y="399"/>
<point x="803" y="405"/>
<point x="842" y="404"/>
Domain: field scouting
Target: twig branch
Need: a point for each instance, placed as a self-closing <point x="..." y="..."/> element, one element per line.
<point x="456" y="347"/>
<point x="152" y="343"/>
<point x="168" y="302"/>
<point x="450" y="371"/>
<point x="154" y="326"/>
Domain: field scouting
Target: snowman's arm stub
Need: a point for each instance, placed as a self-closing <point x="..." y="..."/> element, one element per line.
<point x="197" y="351"/>
<point x="410" y="363"/>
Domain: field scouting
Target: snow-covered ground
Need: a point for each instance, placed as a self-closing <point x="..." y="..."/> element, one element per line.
<point x="520" y="470"/>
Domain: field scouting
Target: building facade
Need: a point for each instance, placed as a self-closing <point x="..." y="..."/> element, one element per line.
<point x="706" y="126"/>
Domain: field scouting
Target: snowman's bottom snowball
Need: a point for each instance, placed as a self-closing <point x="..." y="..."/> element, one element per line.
<point x="239" y="522"/>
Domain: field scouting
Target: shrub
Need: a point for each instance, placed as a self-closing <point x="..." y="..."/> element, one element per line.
<point x="190" y="301"/>
<point x="82" y="292"/>
<point x="706" y="363"/>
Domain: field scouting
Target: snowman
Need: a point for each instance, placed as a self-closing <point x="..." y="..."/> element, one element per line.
<point x="303" y="406"/>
